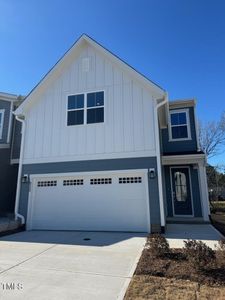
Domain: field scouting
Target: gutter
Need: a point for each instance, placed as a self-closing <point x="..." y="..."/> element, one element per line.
<point x="17" y="215"/>
<point x="158" y="158"/>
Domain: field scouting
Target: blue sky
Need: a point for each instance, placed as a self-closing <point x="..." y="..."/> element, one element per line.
<point x="179" y="44"/>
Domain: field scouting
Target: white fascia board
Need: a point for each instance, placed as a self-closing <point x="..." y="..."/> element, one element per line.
<point x="8" y="97"/>
<point x="154" y="88"/>
<point x="86" y="173"/>
<point x="182" y="159"/>
<point x="182" y="103"/>
<point x="67" y="158"/>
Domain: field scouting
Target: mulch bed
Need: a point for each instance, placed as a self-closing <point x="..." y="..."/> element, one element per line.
<point x="175" y="265"/>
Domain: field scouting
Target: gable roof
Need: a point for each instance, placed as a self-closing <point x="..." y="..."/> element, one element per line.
<point x="156" y="89"/>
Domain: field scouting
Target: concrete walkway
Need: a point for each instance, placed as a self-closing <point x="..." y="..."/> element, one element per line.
<point x="48" y="265"/>
<point x="177" y="233"/>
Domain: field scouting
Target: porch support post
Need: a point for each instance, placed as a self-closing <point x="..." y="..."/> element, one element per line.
<point x="203" y="190"/>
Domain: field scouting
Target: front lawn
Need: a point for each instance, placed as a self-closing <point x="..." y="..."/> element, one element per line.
<point x="164" y="273"/>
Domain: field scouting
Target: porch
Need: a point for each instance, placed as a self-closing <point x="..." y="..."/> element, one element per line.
<point x="185" y="189"/>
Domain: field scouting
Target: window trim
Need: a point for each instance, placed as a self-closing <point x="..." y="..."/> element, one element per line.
<point x="85" y="108"/>
<point x="186" y="111"/>
<point x="2" y="112"/>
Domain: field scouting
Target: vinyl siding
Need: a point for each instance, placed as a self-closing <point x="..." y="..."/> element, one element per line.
<point x="8" y="180"/>
<point x="6" y="105"/>
<point x="128" y="130"/>
<point x="16" y="139"/>
<point x="180" y="146"/>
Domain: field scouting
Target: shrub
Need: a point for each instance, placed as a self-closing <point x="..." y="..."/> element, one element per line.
<point x="158" y="245"/>
<point x="220" y="252"/>
<point x="198" y="254"/>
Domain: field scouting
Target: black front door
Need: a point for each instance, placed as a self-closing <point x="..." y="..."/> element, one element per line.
<point x="181" y="193"/>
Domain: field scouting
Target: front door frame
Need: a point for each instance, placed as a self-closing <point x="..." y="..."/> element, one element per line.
<point x="190" y="182"/>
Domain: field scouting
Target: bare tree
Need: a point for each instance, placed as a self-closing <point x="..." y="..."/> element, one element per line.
<point x="212" y="137"/>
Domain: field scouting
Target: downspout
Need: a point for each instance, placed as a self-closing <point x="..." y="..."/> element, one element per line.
<point x="158" y="158"/>
<point x="17" y="215"/>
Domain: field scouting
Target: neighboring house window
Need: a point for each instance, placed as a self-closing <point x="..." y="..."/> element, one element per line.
<point x="2" y="111"/>
<point x="75" y="113"/>
<point x="85" y="108"/>
<point x="179" y="125"/>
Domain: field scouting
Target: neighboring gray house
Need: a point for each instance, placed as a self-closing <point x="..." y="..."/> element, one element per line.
<point x="10" y="135"/>
<point x="103" y="149"/>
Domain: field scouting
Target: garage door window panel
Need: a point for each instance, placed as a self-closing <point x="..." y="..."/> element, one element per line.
<point x="100" y="181"/>
<point x="70" y="182"/>
<point x="47" y="183"/>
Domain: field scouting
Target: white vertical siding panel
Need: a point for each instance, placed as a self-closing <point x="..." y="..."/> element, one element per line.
<point x="82" y="74"/>
<point x="66" y="80"/>
<point x="64" y="136"/>
<point x="138" y="123"/>
<point x="108" y="74"/>
<point x="118" y="119"/>
<point x="117" y="77"/>
<point x="91" y="78"/>
<point x="128" y="116"/>
<point x="100" y="138"/>
<point x="30" y="134"/>
<point x="56" y="119"/>
<point x="80" y="139"/>
<point x="39" y="128"/>
<point x="48" y="109"/>
<point x="109" y="120"/>
<point x="99" y="71"/>
<point x="73" y="145"/>
<point x="74" y="78"/>
<point x="90" y="138"/>
<point x="148" y="121"/>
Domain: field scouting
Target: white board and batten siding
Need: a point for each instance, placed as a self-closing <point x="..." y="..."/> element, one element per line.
<point x="128" y="129"/>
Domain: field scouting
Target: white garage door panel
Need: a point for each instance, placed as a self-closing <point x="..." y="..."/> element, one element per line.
<point x="113" y="207"/>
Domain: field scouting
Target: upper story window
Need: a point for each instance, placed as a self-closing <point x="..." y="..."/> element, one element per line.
<point x="85" y="108"/>
<point x="179" y="125"/>
<point x="95" y="107"/>
<point x="2" y="111"/>
<point x="75" y="113"/>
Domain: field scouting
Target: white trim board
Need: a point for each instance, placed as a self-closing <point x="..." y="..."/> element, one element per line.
<point x="186" y="111"/>
<point x="2" y="112"/>
<point x="182" y="159"/>
<point x="145" y="171"/>
<point x="100" y="156"/>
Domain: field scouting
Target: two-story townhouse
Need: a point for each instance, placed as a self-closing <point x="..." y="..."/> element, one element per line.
<point x="95" y="150"/>
<point x="10" y="135"/>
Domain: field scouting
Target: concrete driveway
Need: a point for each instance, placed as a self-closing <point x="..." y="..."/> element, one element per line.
<point x="68" y="265"/>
